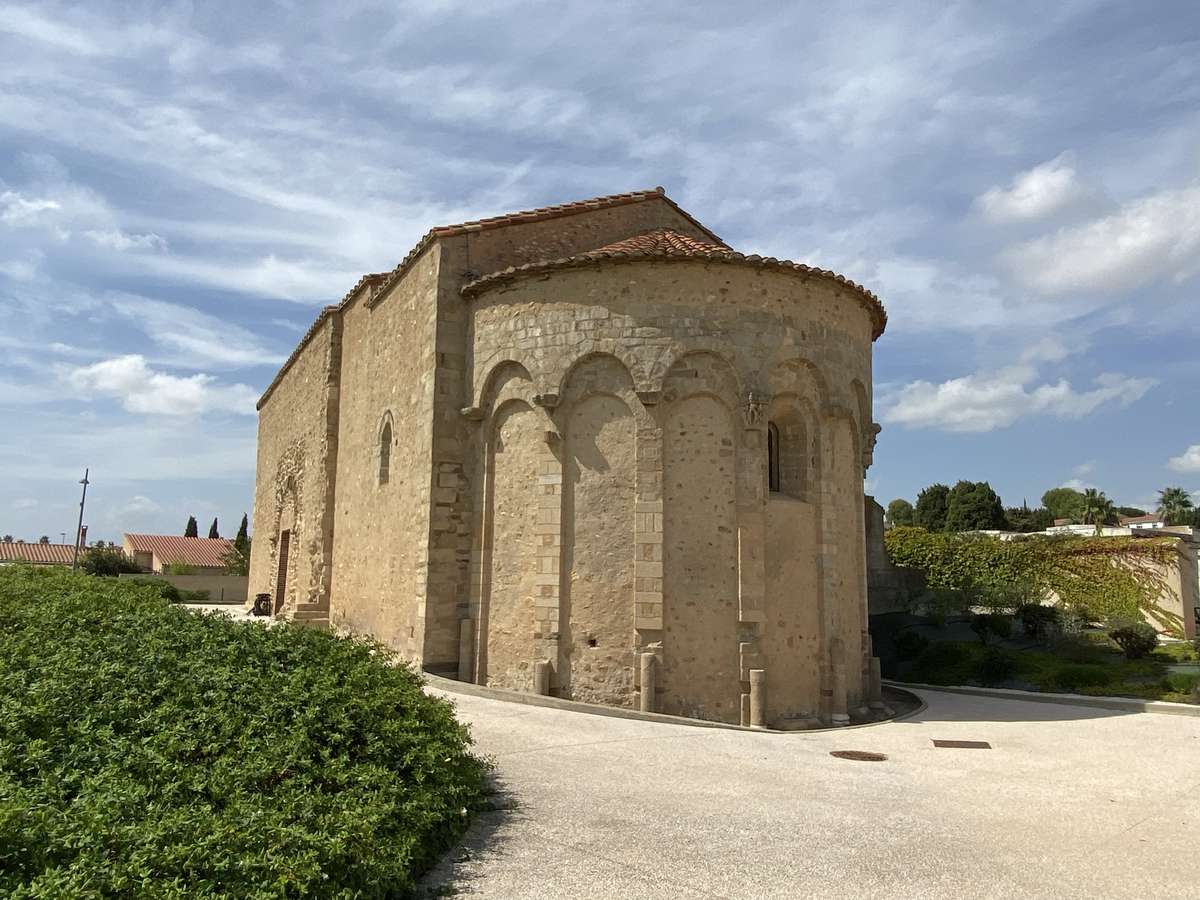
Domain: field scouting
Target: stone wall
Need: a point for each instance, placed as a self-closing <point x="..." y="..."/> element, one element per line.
<point x="647" y="372"/>
<point x="294" y="486"/>
<point x="381" y="529"/>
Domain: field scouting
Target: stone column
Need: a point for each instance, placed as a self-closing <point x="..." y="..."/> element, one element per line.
<point x="466" y="650"/>
<point x="646" y="675"/>
<point x="839" y="714"/>
<point x="541" y="677"/>
<point x="758" y="698"/>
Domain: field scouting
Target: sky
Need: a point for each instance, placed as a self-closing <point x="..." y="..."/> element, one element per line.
<point x="183" y="186"/>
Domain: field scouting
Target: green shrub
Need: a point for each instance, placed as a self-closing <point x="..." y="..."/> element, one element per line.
<point x="1135" y="639"/>
<point x="996" y="666"/>
<point x="1079" y="675"/>
<point x="988" y="625"/>
<point x="165" y="589"/>
<point x="1183" y="682"/>
<point x="1037" y="620"/>
<point x="910" y="644"/>
<point x="195" y="596"/>
<point x="940" y="663"/>
<point x="149" y="751"/>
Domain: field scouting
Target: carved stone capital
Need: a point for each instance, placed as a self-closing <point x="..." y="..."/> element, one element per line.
<point x="869" y="439"/>
<point x="649" y="398"/>
<point x="472" y="413"/>
<point x="755" y="407"/>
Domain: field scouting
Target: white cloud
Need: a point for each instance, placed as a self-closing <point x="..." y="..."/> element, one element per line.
<point x="1085" y="468"/>
<point x="16" y="210"/>
<point x="24" y="503"/>
<point x="143" y="390"/>
<point x="1077" y="484"/>
<point x="1187" y="461"/>
<point x="1154" y="238"/>
<point x="202" y="338"/>
<point x="116" y="239"/>
<point x="985" y="401"/>
<point x="1039" y="192"/>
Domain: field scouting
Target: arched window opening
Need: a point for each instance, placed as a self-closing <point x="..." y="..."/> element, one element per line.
<point x="772" y="457"/>
<point x="385" y="452"/>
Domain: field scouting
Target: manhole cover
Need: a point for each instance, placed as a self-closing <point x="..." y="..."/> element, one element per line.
<point x="963" y="745"/>
<point x="860" y="755"/>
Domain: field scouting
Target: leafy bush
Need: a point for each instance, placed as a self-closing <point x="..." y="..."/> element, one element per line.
<point x="166" y="590"/>
<point x="1183" y="682"/>
<point x="940" y="663"/>
<point x="996" y="666"/>
<point x="1135" y="639"/>
<point x="1100" y="578"/>
<point x="186" y="596"/>
<point x="1036" y="619"/>
<point x="910" y="644"/>
<point x="988" y="625"/>
<point x="1079" y="675"/>
<point x="149" y="751"/>
<point x="107" y="561"/>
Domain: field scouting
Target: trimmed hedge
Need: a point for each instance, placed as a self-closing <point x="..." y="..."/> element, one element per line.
<point x="147" y="750"/>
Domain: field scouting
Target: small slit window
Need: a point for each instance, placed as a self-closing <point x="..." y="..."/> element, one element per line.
<point x="772" y="457"/>
<point x="385" y="452"/>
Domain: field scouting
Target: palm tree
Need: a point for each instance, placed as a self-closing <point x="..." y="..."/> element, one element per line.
<point x="1173" y="501"/>
<point x="1097" y="509"/>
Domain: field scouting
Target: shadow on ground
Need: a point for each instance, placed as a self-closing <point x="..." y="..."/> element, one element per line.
<point x="455" y="872"/>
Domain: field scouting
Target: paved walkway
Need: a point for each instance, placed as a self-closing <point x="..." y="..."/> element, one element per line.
<point x="1069" y="802"/>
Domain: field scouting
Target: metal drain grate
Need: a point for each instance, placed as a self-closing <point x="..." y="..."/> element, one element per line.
<point x="860" y="755"/>
<point x="963" y="745"/>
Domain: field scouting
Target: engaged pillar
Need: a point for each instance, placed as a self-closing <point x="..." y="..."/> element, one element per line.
<point x="758" y="698"/>
<point x="541" y="677"/>
<point x="466" y="650"/>
<point x="840" y="716"/>
<point x="646" y="674"/>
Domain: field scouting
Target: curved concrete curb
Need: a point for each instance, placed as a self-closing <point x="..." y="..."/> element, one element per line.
<point x="1121" y="704"/>
<point x="451" y="686"/>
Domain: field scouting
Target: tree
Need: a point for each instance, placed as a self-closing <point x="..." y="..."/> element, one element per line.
<point x="900" y="512"/>
<point x="212" y="529"/>
<point x="974" y="506"/>
<point x="1097" y="509"/>
<point x="1063" y="503"/>
<point x="930" y="511"/>
<point x="107" y="561"/>
<point x="1130" y="511"/>
<point x="243" y="532"/>
<point x="191" y="530"/>
<point x="7" y="539"/>
<point x="1025" y="520"/>
<point x="44" y="539"/>
<point x="237" y="558"/>
<point x="1173" y="502"/>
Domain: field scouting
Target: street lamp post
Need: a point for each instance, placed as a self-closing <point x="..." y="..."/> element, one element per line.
<point x="79" y="527"/>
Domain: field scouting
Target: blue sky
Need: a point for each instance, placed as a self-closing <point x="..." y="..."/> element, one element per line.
<point x="183" y="186"/>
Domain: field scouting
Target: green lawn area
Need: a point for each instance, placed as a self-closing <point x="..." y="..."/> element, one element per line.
<point x="150" y="751"/>
<point x="1087" y="664"/>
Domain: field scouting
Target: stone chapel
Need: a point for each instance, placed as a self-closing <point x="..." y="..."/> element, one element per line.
<point x="589" y="450"/>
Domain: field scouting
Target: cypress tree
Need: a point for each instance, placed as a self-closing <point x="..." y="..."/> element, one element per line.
<point x="192" y="530"/>
<point x="212" y="529"/>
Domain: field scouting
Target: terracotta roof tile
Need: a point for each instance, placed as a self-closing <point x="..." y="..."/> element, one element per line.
<point x="667" y="245"/>
<point x="171" y="548"/>
<point x="380" y="282"/>
<point x="38" y="554"/>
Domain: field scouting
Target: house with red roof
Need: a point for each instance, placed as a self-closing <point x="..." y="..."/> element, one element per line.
<point x="153" y="552"/>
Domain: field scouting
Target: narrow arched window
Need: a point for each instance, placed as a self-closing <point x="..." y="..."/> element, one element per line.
<point x="385" y="452"/>
<point x="772" y="457"/>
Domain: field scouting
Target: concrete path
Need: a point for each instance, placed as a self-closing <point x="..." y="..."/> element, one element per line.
<point x="1069" y="802"/>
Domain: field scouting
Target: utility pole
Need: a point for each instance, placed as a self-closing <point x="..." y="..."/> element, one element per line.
<point x="79" y="528"/>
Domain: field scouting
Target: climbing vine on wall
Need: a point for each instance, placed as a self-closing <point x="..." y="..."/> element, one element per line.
<point x="1100" y="578"/>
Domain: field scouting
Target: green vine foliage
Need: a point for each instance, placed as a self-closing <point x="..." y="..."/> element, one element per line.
<point x="1100" y="579"/>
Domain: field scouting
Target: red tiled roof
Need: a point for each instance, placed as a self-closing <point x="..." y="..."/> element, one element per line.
<point x="1134" y="520"/>
<point x="38" y="554"/>
<point x="664" y="244"/>
<point x="380" y="282"/>
<point x="171" y="548"/>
